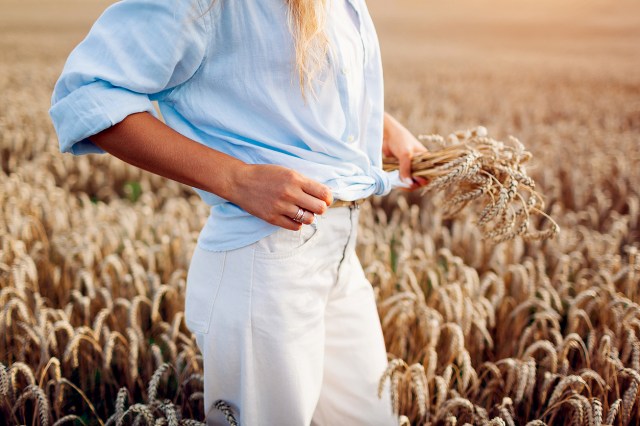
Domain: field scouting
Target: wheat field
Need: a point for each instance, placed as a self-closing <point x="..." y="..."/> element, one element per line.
<point x="94" y="252"/>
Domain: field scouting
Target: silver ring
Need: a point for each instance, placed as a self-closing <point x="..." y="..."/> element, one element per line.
<point x="299" y="215"/>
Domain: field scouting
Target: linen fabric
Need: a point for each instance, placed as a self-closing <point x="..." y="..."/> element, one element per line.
<point x="223" y="75"/>
<point x="289" y="330"/>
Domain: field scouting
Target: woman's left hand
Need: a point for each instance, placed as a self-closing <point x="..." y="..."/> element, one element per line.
<point x="398" y="142"/>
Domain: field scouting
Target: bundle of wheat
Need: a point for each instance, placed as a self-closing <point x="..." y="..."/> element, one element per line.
<point x="471" y="166"/>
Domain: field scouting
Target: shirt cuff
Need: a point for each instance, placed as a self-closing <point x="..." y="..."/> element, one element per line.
<point x="89" y="110"/>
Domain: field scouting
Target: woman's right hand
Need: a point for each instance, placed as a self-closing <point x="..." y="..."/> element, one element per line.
<point x="274" y="194"/>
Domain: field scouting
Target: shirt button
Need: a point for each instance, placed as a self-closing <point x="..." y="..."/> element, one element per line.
<point x="350" y="138"/>
<point x="345" y="71"/>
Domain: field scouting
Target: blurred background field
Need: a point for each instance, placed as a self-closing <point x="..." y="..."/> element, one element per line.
<point x="94" y="253"/>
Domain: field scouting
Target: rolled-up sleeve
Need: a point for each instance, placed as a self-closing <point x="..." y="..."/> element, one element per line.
<point x="136" y="49"/>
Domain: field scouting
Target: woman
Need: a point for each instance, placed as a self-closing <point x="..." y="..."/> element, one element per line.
<point x="274" y="113"/>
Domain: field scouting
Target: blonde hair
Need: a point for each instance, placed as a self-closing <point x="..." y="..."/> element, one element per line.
<point x="306" y="23"/>
<point x="306" y="20"/>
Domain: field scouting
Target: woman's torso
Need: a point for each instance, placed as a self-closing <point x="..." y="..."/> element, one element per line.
<point x="245" y="100"/>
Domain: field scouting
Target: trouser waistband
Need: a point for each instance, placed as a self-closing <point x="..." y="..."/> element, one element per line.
<point x="342" y="203"/>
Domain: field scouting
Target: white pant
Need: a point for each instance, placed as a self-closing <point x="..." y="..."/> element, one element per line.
<point x="289" y="330"/>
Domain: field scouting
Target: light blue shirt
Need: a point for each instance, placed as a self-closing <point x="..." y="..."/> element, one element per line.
<point x="225" y="77"/>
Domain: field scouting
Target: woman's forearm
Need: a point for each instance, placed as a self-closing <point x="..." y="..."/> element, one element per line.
<point x="270" y="192"/>
<point x="145" y="142"/>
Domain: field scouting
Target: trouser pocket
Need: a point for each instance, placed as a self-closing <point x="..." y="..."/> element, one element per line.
<point x="285" y="243"/>
<point x="203" y="284"/>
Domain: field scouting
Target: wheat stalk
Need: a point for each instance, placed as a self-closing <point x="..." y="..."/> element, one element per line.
<point x="613" y="411"/>
<point x="69" y="418"/>
<point x="155" y="381"/>
<point x="226" y="409"/>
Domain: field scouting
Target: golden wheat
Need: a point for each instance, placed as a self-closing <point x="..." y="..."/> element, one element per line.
<point x="481" y="327"/>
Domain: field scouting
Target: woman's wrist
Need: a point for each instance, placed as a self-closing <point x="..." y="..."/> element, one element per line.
<point x="236" y="181"/>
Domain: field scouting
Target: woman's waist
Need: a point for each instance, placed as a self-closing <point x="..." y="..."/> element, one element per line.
<point x="229" y="227"/>
<point x="346" y="183"/>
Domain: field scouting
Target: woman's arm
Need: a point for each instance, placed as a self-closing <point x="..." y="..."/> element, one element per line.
<point x="398" y="142"/>
<point x="272" y="193"/>
<point x="142" y="47"/>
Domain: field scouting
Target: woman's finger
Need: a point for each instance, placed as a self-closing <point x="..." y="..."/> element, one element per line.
<point x="420" y="181"/>
<point x="301" y="215"/>
<point x="307" y="217"/>
<point x="311" y="203"/>
<point x="317" y="190"/>
<point x="405" y="166"/>
<point x="288" y="223"/>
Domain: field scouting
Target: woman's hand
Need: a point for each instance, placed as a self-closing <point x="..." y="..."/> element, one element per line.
<point x="398" y="142"/>
<point x="274" y="194"/>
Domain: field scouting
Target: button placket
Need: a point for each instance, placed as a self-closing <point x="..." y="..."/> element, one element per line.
<point x="344" y="70"/>
<point x="360" y="30"/>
